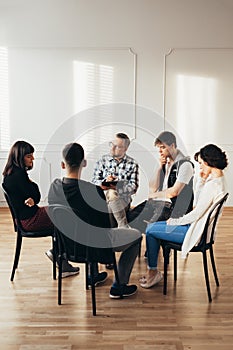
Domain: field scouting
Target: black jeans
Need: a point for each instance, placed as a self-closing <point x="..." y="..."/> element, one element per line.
<point x="148" y="211"/>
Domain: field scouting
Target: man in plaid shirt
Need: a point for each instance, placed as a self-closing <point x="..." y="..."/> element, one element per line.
<point x="117" y="174"/>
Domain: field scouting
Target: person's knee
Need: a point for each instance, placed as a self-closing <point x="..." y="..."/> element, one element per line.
<point x="147" y="231"/>
<point x="112" y="195"/>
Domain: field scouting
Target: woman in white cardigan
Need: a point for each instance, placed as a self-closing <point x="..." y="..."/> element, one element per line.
<point x="188" y="229"/>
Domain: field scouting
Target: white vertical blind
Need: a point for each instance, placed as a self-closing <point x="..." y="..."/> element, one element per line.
<point x="4" y="100"/>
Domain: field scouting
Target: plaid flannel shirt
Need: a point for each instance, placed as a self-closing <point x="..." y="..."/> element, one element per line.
<point x="126" y="171"/>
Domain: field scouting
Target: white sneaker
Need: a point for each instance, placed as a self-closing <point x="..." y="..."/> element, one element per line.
<point x="152" y="281"/>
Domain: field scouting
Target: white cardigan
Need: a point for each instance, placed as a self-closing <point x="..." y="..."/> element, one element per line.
<point x="211" y="191"/>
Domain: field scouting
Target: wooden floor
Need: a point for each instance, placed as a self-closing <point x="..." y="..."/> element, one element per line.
<point x="31" y="319"/>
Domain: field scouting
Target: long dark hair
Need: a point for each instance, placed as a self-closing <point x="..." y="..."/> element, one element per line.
<point x="16" y="156"/>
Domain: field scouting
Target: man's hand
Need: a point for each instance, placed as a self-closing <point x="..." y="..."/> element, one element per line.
<point x="109" y="178"/>
<point x="162" y="160"/>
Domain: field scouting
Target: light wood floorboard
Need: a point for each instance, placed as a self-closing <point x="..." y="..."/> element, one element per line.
<point x="183" y="320"/>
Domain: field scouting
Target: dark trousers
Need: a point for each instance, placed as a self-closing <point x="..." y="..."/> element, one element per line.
<point x="148" y="211"/>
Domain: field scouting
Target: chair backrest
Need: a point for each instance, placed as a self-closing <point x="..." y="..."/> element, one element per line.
<point x="70" y="239"/>
<point x="15" y="219"/>
<point x="208" y="235"/>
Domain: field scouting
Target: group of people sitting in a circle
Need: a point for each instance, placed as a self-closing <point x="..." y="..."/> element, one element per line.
<point x="171" y="212"/>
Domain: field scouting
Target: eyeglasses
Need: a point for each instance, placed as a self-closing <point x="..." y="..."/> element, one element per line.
<point x="113" y="145"/>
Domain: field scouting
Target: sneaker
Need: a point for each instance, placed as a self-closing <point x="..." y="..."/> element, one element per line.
<point x="150" y="282"/>
<point x="100" y="278"/>
<point x="124" y="291"/>
<point x="68" y="269"/>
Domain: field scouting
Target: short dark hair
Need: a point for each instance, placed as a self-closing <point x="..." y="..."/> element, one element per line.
<point x="73" y="154"/>
<point x="16" y="156"/>
<point x="124" y="137"/>
<point x="166" y="137"/>
<point x="213" y="156"/>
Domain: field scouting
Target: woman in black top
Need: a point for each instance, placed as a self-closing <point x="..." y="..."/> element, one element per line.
<point x="25" y="195"/>
<point x="23" y="192"/>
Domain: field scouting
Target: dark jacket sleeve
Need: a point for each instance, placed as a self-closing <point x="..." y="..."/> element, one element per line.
<point x="19" y="188"/>
<point x="27" y="187"/>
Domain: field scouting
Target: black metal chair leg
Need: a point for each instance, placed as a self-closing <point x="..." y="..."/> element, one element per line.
<point x="214" y="266"/>
<point x="166" y="260"/>
<point x="54" y="247"/>
<point x="59" y="279"/>
<point x="86" y="275"/>
<point x="17" y="254"/>
<point x="175" y="264"/>
<point x="206" y="275"/>
<point x="93" y="291"/>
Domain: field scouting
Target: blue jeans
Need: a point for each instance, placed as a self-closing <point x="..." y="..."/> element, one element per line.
<point x="160" y="230"/>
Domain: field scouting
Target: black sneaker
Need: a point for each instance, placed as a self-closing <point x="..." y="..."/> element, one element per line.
<point x="124" y="291"/>
<point x="100" y="278"/>
<point x="69" y="270"/>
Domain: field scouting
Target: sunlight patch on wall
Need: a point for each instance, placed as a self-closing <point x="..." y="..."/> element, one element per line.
<point x="4" y="100"/>
<point x="93" y="86"/>
<point x="196" y="107"/>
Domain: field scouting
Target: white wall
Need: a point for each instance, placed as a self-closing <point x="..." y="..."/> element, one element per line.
<point x="149" y="27"/>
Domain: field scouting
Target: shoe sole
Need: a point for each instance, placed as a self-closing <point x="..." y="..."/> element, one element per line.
<point x="68" y="274"/>
<point x="123" y="295"/>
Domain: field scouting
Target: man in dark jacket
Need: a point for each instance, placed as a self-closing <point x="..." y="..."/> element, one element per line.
<point x="89" y="204"/>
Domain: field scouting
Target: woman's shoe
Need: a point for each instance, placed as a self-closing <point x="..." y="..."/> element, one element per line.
<point x="152" y="281"/>
<point x="142" y="279"/>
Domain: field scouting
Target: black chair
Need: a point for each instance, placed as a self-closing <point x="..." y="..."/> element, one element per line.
<point x="67" y="231"/>
<point x="204" y="245"/>
<point x="29" y="234"/>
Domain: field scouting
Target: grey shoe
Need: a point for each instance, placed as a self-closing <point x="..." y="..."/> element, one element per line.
<point x="67" y="268"/>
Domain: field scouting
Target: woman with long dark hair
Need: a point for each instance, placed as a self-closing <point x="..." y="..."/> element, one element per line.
<point x="188" y="229"/>
<point x="25" y="195"/>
